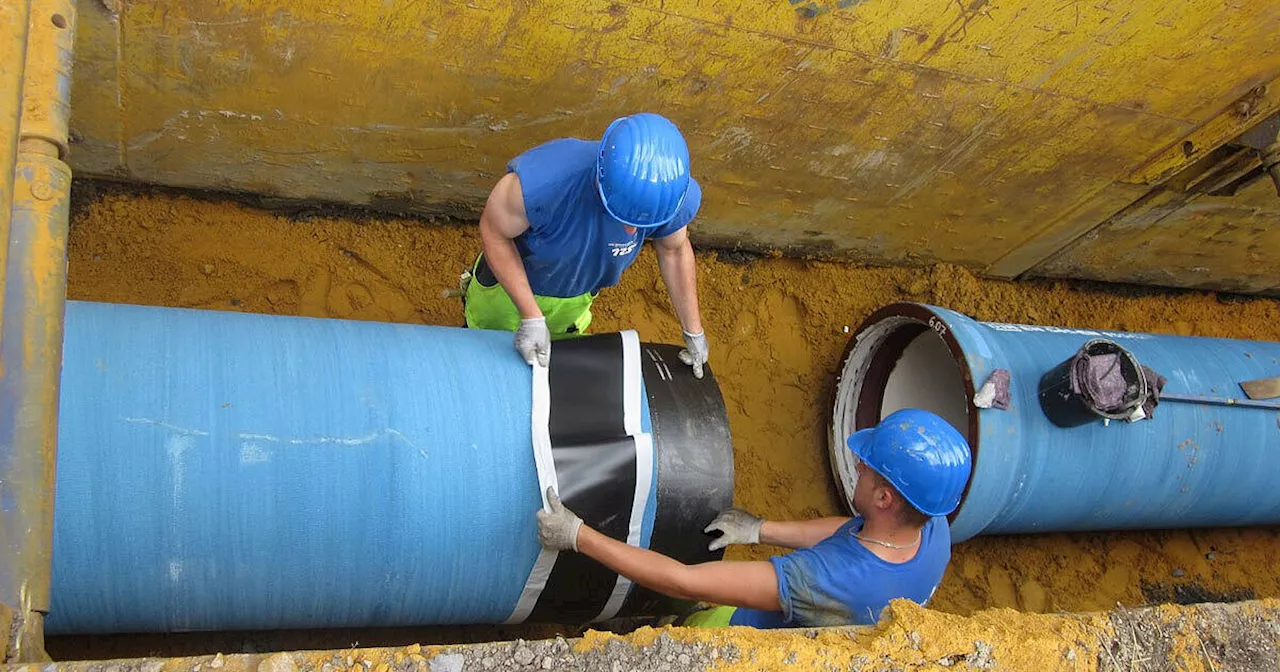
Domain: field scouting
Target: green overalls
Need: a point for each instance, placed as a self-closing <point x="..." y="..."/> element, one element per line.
<point x="715" y="617"/>
<point x="487" y="306"/>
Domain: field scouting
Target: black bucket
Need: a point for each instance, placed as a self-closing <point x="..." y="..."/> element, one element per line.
<point x="1101" y="380"/>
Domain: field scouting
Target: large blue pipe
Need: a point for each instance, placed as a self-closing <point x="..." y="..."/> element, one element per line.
<point x="1191" y="465"/>
<point x="234" y="471"/>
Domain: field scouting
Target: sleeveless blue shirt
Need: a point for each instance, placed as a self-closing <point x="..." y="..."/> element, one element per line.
<point x="573" y="246"/>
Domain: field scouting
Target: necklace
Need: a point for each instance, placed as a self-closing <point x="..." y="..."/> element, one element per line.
<point x="886" y="544"/>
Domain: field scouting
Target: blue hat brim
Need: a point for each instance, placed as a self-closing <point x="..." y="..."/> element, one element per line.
<point x="860" y="441"/>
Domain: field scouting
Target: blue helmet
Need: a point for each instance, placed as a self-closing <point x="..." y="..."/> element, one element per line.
<point x="921" y="455"/>
<point x="642" y="170"/>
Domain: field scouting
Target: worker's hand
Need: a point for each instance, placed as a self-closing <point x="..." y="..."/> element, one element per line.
<point x="557" y="528"/>
<point x="533" y="341"/>
<point x="695" y="351"/>
<point x="735" y="527"/>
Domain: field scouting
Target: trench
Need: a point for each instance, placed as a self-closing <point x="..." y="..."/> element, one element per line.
<point x="778" y="328"/>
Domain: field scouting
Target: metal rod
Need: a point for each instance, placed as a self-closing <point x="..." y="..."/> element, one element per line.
<point x="34" y="296"/>
<point x="1219" y="401"/>
<point x="13" y="56"/>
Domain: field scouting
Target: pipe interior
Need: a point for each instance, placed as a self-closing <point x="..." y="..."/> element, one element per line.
<point x="924" y="375"/>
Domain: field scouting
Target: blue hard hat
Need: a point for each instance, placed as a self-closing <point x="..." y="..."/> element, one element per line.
<point x="642" y="170"/>
<point x="921" y="455"/>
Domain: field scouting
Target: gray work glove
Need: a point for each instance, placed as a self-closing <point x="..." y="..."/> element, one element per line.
<point x="695" y="351"/>
<point x="557" y="528"/>
<point x="533" y="341"/>
<point x="735" y="526"/>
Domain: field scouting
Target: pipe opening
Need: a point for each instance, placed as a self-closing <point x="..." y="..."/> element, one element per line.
<point x="1101" y="380"/>
<point x="896" y="361"/>
<point x="924" y="376"/>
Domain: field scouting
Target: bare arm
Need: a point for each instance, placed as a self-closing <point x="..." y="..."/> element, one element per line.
<point x="799" y="533"/>
<point x="675" y="260"/>
<point x="741" y="584"/>
<point x="502" y="221"/>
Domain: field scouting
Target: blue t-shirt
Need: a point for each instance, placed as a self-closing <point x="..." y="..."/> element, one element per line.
<point x="840" y="582"/>
<point x="573" y="246"/>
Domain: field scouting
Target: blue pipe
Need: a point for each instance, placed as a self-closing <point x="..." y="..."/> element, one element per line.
<point x="1190" y="465"/>
<point x="222" y="471"/>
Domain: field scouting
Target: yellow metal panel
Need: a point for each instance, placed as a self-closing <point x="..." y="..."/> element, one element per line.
<point x="1104" y="204"/>
<point x="1256" y="105"/>
<point x="98" y="111"/>
<point x="1214" y="241"/>
<point x="887" y="131"/>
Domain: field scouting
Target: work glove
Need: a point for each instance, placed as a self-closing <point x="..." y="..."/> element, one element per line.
<point x="695" y="351"/>
<point x="557" y="528"/>
<point x="533" y="341"/>
<point x="735" y="526"/>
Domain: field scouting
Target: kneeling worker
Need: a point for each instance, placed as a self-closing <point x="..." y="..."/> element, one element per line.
<point x="912" y="470"/>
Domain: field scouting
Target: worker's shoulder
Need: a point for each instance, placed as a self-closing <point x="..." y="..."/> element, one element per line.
<point x="564" y="154"/>
<point x="507" y="198"/>
<point x="548" y="170"/>
<point x="938" y="529"/>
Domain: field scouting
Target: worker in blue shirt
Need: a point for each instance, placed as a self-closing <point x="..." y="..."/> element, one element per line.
<point x="912" y="470"/>
<point x="569" y="217"/>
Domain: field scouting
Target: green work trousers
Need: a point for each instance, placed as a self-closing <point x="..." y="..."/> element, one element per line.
<point x="489" y="307"/>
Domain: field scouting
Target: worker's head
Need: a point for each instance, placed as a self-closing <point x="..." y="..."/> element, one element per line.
<point x="642" y="170"/>
<point x="913" y="465"/>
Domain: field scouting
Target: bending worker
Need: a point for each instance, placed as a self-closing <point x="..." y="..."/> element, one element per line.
<point x="912" y="469"/>
<point x="569" y="217"/>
